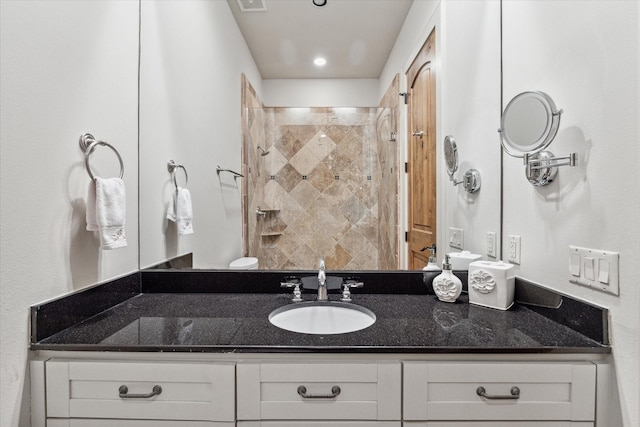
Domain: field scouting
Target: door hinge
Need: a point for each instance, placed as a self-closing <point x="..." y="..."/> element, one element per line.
<point x="405" y="95"/>
<point x="406" y="167"/>
<point x="406" y="236"/>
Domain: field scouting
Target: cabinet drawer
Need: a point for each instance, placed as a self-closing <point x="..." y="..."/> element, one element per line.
<point x="92" y="389"/>
<point x="547" y="391"/>
<point x="319" y="424"/>
<point x="497" y="424"/>
<point x="271" y="391"/>
<point x="86" y="422"/>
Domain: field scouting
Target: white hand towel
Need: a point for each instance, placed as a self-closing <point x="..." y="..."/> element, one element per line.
<point x="181" y="211"/>
<point x="106" y="211"/>
<point x="92" y="223"/>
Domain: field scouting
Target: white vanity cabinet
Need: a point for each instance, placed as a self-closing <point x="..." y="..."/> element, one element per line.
<point x="123" y="393"/>
<point x="276" y="390"/>
<point x="483" y="394"/>
<point x="337" y="394"/>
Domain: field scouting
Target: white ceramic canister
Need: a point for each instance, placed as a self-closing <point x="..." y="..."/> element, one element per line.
<point x="491" y="284"/>
<point x="461" y="260"/>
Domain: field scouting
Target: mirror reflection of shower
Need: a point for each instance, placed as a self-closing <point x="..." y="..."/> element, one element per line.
<point x="263" y="151"/>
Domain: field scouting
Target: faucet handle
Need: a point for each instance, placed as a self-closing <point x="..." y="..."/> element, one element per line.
<point x="297" y="293"/>
<point x="353" y="283"/>
<point x="346" y="291"/>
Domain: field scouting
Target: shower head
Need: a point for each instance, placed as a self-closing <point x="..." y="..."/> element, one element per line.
<point x="264" y="152"/>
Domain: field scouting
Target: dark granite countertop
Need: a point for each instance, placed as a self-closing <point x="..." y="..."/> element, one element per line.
<point x="238" y="322"/>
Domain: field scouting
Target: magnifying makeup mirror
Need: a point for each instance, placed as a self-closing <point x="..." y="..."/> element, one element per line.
<point x="529" y="124"/>
<point x="471" y="179"/>
<point x="451" y="155"/>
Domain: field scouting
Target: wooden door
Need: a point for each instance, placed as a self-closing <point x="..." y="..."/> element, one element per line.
<point x="421" y="79"/>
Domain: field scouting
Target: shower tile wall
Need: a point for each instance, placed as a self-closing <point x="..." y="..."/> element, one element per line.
<point x="253" y="134"/>
<point x="388" y="178"/>
<point x="319" y="181"/>
<point x="319" y="187"/>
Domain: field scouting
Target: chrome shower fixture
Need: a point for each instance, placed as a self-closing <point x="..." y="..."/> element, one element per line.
<point x="264" y="152"/>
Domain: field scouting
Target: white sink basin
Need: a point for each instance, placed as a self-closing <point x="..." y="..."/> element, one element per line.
<point x="322" y="318"/>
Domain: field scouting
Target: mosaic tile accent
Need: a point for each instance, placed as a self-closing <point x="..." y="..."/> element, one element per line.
<point x="321" y="184"/>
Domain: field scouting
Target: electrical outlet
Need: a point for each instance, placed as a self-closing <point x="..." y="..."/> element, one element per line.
<point x="491" y="244"/>
<point x="456" y="238"/>
<point x="514" y="249"/>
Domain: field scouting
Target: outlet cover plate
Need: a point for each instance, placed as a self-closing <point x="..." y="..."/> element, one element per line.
<point x="456" y="238"/>
<point x="491" y="244"/>
<point x="514" y="249"/>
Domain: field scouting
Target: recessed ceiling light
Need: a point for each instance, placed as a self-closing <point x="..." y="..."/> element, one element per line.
<point x="319" y="3"/>
<point x="320" y="62"/>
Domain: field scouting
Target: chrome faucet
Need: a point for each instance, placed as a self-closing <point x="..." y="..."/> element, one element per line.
<point x="322" y="282"/>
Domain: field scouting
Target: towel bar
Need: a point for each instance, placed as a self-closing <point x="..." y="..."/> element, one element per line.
<point x="235" y="174"/>
<point x="88" y="145"/>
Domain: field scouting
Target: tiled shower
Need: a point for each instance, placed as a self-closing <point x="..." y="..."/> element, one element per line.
<point x="324" y="184"/>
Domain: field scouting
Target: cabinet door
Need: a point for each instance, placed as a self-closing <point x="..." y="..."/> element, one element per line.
<point x="96" y="389"/>
<point x="547" y="391"/>
<point x="332" y="391"/>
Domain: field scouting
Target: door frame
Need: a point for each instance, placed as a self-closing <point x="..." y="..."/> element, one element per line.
<point x="434" y="22"/>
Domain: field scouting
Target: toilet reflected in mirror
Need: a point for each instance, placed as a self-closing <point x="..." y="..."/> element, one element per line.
<point x="244" y="263"/>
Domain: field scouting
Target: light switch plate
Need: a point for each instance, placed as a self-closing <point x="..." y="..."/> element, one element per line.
<point x="456" y="238"/>
<point x="594" y="268"/>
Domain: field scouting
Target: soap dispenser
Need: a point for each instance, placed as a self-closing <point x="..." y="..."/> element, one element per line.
<point x="446" y="285"/>
<point x="432" y="264"/>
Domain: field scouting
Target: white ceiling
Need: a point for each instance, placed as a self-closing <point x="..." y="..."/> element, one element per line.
<point x="355" y="36"/>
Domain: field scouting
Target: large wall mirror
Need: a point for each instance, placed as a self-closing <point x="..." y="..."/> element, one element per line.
<point x="320" y="180"/>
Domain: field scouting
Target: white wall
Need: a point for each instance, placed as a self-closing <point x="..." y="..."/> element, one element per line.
<point x="320" y="92"/>
<point x="66" y="68"/>
<point x="192" y="58"/>
<point x="414" y="33"/>
<point x="470" y="96"/>
<point x="585" y="55"/>
<point x="468" y="107"/>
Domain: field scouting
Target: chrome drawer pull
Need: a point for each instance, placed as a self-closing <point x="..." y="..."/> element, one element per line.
<point x="515" y="394"/>
<point x="123" y="390"/>
<point x="335" y="391"/>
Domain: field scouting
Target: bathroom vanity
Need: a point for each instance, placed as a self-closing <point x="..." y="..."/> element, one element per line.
<point x="196" y="348"/>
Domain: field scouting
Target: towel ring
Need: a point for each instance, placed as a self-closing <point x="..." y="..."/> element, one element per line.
<point x="88" y="145"/>
<point x="172" y="166"/>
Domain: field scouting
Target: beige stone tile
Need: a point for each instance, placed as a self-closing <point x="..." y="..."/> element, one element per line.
<point x="304" y="161"/>
<point x="304" y="193"/>
<point x="365" y="257"/>
<point x="352" y="241"/>
<point x="273" y="258"/>
<point x="289" y="242"/>
<point x="289" y="143"/>
<point x="336" y="132"/>
<point x="338" y="259"/>
<point x="353" y="209"/>
<point x="321" y="177"/>
<point x="320" y="145"/>
<point x="288" y="177"/>
<point x="273" y="162"/>
<point x="305" y="258"/>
